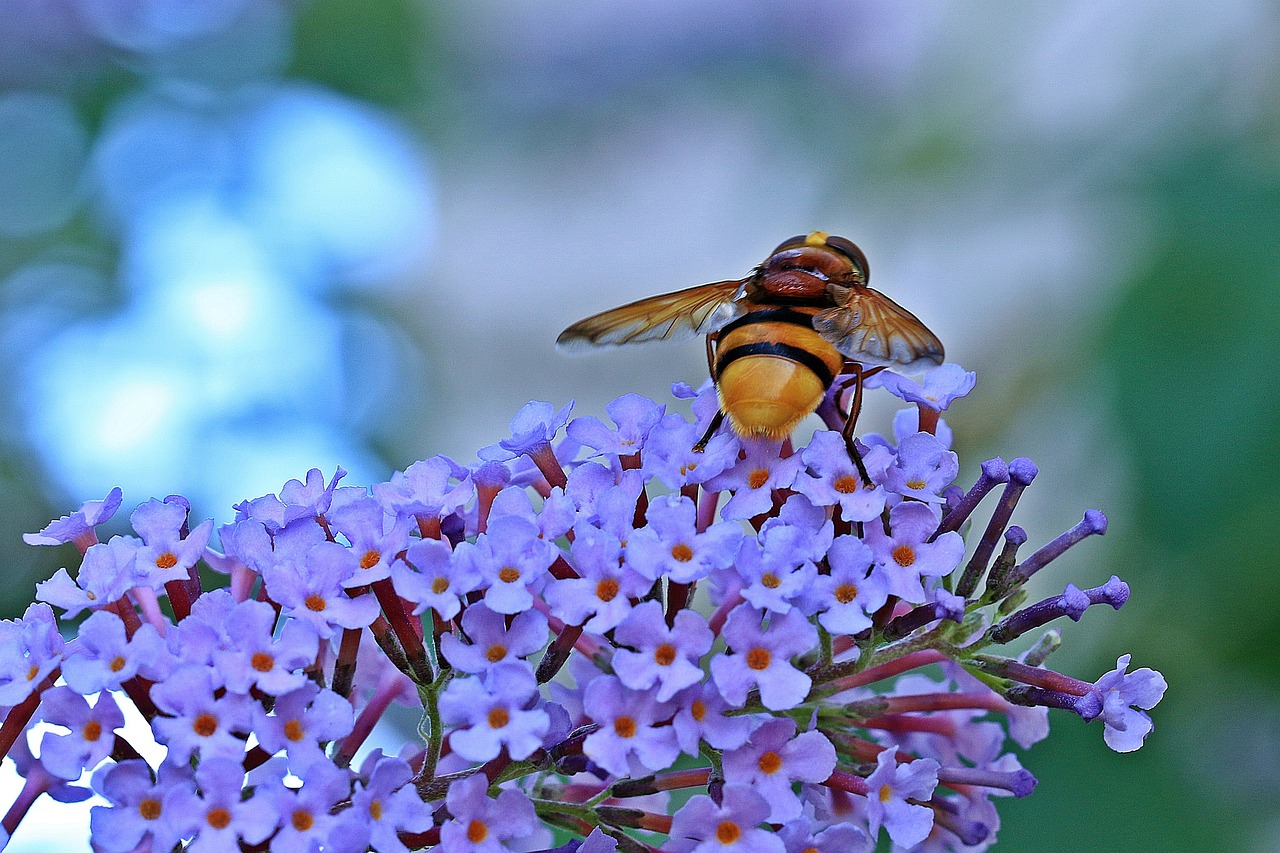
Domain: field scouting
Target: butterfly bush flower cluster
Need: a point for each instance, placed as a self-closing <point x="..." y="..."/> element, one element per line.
<point x="611" y="642"/>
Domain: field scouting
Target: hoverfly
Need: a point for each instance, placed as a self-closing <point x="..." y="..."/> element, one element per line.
<point x="778" y="339"/>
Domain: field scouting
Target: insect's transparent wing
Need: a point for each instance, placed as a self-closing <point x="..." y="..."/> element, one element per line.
<point x="870" y="328"/>
<point x="684" y="314"/>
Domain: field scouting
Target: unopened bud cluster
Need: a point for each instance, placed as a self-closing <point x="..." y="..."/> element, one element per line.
<point x="614" y="643"/>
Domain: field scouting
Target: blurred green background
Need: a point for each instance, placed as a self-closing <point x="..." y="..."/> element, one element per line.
<point x="243" y="238"/>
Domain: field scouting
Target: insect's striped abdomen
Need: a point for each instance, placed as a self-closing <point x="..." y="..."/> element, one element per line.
<point x="772" y="369"/>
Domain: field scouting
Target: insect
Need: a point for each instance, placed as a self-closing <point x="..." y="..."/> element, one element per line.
<point x="778" y="339"/>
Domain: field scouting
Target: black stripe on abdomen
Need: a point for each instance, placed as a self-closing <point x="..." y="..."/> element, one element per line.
<point x="787" y="351"/>
<point x="769" y="315"/>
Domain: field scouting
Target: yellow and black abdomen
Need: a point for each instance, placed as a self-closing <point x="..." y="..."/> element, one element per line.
<point x="772" y="369"/>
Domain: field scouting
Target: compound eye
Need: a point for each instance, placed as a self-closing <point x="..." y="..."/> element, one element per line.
<point x="853" y="253"/>
<point x="792" y="243"/>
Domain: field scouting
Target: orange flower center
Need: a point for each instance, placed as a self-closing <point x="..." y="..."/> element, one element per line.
<point x="846" y="485"/>
<point x="607" y="589"/>
<point x="218" y="818"/>
<point x="664" y="655"/>
<point x="262" y="662"/>
<point x="758" y="659"/>
<point x="770" y="763"/>
<point x="315" y="603"/>
<point x="205" y="725"/>
<point x="770" y="581"/>
<point x="698" y="710"/>
<point x="117" y="664"/>
<point x="728" y="832"/>
<point x="440" y="585"/>
<point x="92" y="730"/>
<point x="149" y="809"/>
<point x="294" y="730"/>
<point x="758" y="478"/>
<point x="904" y="555"/>
<point x="495" y="653"/>
<point x="370" y="559"/>
<point x="625" y="727"/>
<point x="916" y="484"/>
<point x="167" y="560"/>
<point x="681" y="553"/>
<point x="375" y="811"/>
<point x="477" y="832"/>
<point x="509" y="574"/>
<point x="846" y="592"/>
<point x="498" y="718"/>
<point x="302" y="820"/>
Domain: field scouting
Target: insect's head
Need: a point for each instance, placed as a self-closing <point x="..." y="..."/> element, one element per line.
<point x="809" y="262"/>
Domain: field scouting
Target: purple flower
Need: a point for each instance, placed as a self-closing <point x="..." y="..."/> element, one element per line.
<point x="374" y="542"/>
<point x="491" y="715"/>
<point x="906" y="555"/>
<point x="669" y="545"/>
<point x="479" y="824"/>
<point x="922" y="469"/>
<point x="433" y="488"/>
<point x="600" y="597"/>
<point x="166" y="555"/>
<point x="382" y="807"/>
<point x="836" y="481"/>
<point x="91" y="736"/>
<point x="890" y="786"/>
<point x="942" y="385"/>
<point x="106" y="574"/>
<point x="774" y="759"/>
<point x="532" y="429"/>
<point x="219" y="816"/>
<point x="754" y="478"/>
<point x="778" y="572"/>
<point x="665" y="656"/>
<point x="702" y="716"/>
<point x="511" y="560"/>
<point x="669" y="453"/>
<point x="635" y="417"/>
<point x="1126" y="727"/>
<point x="306" y="814"/>
<point x="762" y="658"/>
<point x="30" y="649"/>
<point x="79" y="526"/>
<point x="300" y="722"/>
<point x="199" y="721"/>
<point x="255" y="657"/>
<point x="846" y="598"/>
<point x="799" y="837"/>
<point x="432" y="578"/>
<point x="701" y="826"/>
<point x="492" y="640"/>
<point x="312" y="591"/>
<point x="139" y="806"/>
<point x="297" y="501"/>
<point x="102" y="657"/>
<point x="628" y="721"/>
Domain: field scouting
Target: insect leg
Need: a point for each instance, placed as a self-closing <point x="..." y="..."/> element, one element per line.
<point x="712" y="340"/>
<point x="706" y="436"/>
<point x="711" y="354"/>
<point x="857" y="379"/>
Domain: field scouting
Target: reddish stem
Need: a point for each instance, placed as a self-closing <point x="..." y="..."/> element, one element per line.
<point x="19" y="715"/>
<point x="842" y="780"/>
<point x="545" y="458"/>
<point x="410" y="640"/>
